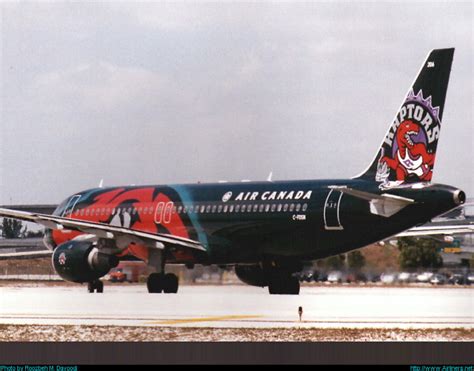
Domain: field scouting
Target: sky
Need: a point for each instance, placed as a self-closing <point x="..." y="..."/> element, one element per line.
<point x="156" y="93"/>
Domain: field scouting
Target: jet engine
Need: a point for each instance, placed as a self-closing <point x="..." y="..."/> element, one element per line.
<point x="81" y="261"/>
<point x="253" y="275"/>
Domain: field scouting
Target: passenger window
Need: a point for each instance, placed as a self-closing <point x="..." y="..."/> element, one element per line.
<point x="225" y="208"/>
<point x="231" y="208"/>
<point x="237" y="208"/>
<point x="208" y="208"/>
<point x="249" y="208"/>
<point x="298" y="207"/>
<point x="292" y="207"/>
<point x="267" y="208"/>
<point x="185" y="209"/>
<point x="260" y="208"/>
<point x="87" y="212"/>
<point x="279" y="207"/>
<point x="174" y="210"/>
<point x="202" y="208"/>
<point x="214" y="208"/>
<point x="243" y="208"/>
<point x="305" y="207"/>
<point x="180" y="209"/>
<point x="273" y="207"/>
<point x="285" y="207"/>
<point x="219" y="208"/>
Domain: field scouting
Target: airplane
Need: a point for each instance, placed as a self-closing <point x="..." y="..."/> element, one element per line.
<point x="266" y="230"/>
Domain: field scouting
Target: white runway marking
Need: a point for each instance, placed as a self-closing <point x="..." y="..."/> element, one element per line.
<point x="240" y="306"/>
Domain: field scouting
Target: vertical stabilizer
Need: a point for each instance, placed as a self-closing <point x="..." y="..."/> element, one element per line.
<point x="408" y="151"/>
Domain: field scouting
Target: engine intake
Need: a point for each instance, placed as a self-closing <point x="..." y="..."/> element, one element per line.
<point x="81" y="261"/>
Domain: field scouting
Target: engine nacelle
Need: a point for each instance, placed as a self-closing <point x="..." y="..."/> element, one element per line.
<point x="253" y="275"/>
<point x="80" y="261"/>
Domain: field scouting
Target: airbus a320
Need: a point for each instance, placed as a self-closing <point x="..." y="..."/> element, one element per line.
<point x="265" y="230"/>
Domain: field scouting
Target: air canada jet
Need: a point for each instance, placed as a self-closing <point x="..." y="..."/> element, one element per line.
<point x="265" y="230"/>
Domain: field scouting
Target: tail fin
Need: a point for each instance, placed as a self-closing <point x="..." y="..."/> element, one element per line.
<point x="408" y="151"/>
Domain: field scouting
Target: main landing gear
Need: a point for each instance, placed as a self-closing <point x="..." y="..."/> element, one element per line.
<point x="97" y="286"/>
<point x="283" y="284"/>
<point x="160" y="282"/>
<point x="281" y="280"/>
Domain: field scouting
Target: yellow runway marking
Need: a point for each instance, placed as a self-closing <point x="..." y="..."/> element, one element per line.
<point x="200" y="319"/>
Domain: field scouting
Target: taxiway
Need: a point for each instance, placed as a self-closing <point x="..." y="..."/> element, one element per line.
<point x="240" y="307"/>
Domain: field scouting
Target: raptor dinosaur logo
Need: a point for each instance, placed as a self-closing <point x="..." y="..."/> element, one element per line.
<point x="409" y="149"/>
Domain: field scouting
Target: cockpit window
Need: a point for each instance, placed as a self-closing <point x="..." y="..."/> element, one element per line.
<point x="67" y="206"/>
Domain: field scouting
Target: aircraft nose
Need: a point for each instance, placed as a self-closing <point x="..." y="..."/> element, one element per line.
<point x="459" y="197"/>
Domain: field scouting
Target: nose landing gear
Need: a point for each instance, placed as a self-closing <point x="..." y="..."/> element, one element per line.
<point x="97" y="286"/>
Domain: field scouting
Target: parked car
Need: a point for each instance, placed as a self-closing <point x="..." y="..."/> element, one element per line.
<point x="335" y="277"/>
<point x="308" y="277"/>
<point x="424" y="277"/>
<point x="321" y="277"/>
<point x="438" y="279"/>
<point x="372" y="277"/>
<point x="470" y="278"/>
<point x="404" y="277"/>
<point x="361" y="277"/>
<point x="457" y="279"/>
<point x="388" y="278"/>
<point x="117" y="276"/>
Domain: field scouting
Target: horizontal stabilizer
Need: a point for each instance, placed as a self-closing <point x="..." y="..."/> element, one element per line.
<point x="446" y="230"/>
<point x="385" y="204"/>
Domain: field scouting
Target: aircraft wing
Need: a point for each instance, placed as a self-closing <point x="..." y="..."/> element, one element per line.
<point x="122" y="235"/>
<point x="33" y="208"/>
<point x="438" y="230"/>
<point x="26" y="255"/>
<point x="385" y="204"/>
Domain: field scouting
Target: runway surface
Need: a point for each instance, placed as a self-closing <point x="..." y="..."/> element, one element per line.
<point x="240" y="307"/>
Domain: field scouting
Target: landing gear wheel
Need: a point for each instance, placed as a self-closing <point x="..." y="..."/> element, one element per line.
<point x="283" y="285"/>
<point x="99" y="287"/>
<point x="95" y="286"/>
<point x="293" y="286"/>
<point x="154" y="283"/>
<point x="275" y="285"/>
<point x="170" y="283"/>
